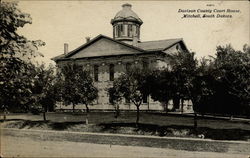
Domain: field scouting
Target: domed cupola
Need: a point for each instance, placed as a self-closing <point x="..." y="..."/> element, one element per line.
<point x="126" y="25"/>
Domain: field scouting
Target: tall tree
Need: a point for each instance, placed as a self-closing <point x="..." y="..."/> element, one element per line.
<point x="15" y="54"/>
<point x="233" y="76"/>
<point x="161" y="86"/>
<point x="77" y="86"/>
<point x="13" y="44"/>
<point x="183" y="70"/>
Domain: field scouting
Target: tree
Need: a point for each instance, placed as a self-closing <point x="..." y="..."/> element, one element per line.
<point x="77" y="86"/>
<point x="16" y="83"/>
<point x="161" y="87"/>
<point x="183" y="70"/>
<point x="44" y="89"/>
<point x="233" y="79"/>
<point x="191" y="81"/>
<point x="132" y="86"/>
<point x="13" y="44"/>
<point x="115" y="97"/>
<point x="16" y="52"/>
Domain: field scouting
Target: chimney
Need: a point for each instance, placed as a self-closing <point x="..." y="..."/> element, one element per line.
<point x="87" y="39"/>
<point x="66" y="48"/>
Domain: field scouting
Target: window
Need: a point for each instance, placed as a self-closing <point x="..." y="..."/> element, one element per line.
<point x="128" y="66"/>
<point x="130" y="33"/>
<point x="96" y="72"/>
<point x="116" y="31"/>
<point x="122" y="29"/>
<point x="111" y="72"/>
<point x="135" y="30"/>
<point x="119" y="30"/>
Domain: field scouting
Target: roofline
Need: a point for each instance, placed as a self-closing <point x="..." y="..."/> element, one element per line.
<point x="113" y="21"/>
<point x="164" y="40"/>
<point x="149" y="51"/>
<point x="181" y="40"/>
<point x="110" y="56"/>
<point x="97" y="38"/>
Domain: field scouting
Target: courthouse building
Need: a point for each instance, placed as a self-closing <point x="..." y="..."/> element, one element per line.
<point x="108" y="57"/>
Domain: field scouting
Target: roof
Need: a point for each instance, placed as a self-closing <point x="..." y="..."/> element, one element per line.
<point x="141" y="48"/>
<point x="126" y="14"/>
<point x="158" y="45"/>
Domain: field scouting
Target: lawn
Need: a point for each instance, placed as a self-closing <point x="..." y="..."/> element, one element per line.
<point x="158" y="124"/>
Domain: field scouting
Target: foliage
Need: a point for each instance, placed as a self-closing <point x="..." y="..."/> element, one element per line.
<point x="132" y="85"/>
<point x="161" y="86"/>
<point x="13" y="44"/>
<point x="183" y="70"/>
<point x="232" y="81"/>
<point x="115" y="97"/>
<point x="44" y="90"/>
<point x="76" y="85"/>
<point x="16" y="76"/>
<point x="16" y="82"/>
<point x="234" y="68"/>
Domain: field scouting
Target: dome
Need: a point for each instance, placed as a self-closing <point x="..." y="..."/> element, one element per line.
<point x="126" y="14"/>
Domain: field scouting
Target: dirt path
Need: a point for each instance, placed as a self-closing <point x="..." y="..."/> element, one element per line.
<point x="26" y="147"/>
<point x="30" y="143"/>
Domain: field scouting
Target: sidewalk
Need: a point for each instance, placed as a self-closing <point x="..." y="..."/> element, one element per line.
<point x="126" y="135"/>
<point x="210" y="116"/>
<point x="21" y="147"/>
<point x="170" y="143"/>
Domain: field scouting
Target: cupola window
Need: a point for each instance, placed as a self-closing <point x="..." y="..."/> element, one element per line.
<point x="126" y="25"/>
<point x="116" y="31"/>
<point x="135" y="30"/>
<point x="130" y="32"/>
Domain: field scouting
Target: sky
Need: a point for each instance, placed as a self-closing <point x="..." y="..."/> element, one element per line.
<point x="59" y="22"/>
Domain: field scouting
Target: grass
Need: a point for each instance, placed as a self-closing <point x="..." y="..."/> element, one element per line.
<point x="150" y="124"/>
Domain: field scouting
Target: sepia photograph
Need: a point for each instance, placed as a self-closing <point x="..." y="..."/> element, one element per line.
<point x="125" y="79"/>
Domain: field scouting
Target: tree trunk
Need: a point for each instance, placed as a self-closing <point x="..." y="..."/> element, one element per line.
<point x="231" y="117"/>
<point x="117" y="111"/>
<point x="166" y="107"/>
<point x="176" y="102"/>
<point x="44" y="113"/>
<point x="87" y="114"/>
<point x="73" y="108"/>
<point x="182" y="102"/>
<point x="137" y="115"/>
<point x="4" y="114"/>
<point x="87" y="108"/>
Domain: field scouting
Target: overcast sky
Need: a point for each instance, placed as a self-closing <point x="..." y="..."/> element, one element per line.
<point x="59" y="22"/>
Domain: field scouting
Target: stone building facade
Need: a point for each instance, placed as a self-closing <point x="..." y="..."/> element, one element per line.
<point x="106" y="58"/>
